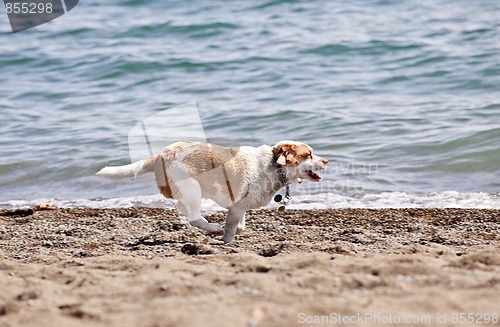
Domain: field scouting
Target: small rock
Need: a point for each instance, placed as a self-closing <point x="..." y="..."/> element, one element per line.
<point x="195" y="249"/>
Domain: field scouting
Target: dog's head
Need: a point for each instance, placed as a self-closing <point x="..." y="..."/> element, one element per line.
<point x="298" y="158"/>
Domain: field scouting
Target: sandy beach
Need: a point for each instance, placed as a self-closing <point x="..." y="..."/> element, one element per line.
<point x="337" y="267"/>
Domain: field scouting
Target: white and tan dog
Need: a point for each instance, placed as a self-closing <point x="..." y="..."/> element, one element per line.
<point x="236" y="179"/>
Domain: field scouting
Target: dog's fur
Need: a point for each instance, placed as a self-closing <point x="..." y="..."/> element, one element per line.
<point x="236" y="179"/>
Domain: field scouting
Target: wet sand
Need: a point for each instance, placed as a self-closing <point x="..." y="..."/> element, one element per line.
<point x="142" y="267"/>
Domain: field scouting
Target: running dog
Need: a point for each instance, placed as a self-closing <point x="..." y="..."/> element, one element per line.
<point x="238" y="179"/>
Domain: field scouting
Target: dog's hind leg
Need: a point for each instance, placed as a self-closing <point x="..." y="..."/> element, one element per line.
<point x="189" y="204"/>
<point x="182" y="211"/>
<point x="181" y="208"/>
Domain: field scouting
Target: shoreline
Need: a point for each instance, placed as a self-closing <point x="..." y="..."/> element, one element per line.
<point x="142" y="267"/>
<point x="301" y="201"/>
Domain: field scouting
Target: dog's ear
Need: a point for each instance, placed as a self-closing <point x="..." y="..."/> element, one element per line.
<point x="292" y="153"/>
<point x="281" y="159"/>
<point x="285" y="153"/>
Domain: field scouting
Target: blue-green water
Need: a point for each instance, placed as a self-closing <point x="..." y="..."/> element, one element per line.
<point x="402" y="96"/>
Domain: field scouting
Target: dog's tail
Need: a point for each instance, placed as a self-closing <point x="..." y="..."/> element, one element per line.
<point x="133" y="170"/>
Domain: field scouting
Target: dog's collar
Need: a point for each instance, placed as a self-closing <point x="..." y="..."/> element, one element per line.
<point x="280" y="169"/>
<point x="282" y="179"/>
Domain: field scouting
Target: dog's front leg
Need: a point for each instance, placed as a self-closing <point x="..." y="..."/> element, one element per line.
<point x="241" y="225"/>
<point x="234" y="216"/>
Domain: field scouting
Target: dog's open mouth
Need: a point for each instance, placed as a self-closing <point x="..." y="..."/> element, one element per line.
<point x="313" y="175"/>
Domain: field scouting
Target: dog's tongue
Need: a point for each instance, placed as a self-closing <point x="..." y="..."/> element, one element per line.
<point x="313" y="175"/>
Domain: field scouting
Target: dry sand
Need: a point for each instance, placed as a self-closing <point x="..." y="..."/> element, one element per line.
<point x="141" y="267"/>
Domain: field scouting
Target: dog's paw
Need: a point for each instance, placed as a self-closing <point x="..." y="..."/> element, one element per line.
<point x="218" y="232"/>
<point x="212" y="229"/>
<point x="227" y="238"/>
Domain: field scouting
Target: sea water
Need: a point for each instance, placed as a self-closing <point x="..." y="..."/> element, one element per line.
<point x="403" y="97"/>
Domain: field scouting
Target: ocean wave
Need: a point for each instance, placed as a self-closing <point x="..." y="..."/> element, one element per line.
<point x="407" y="87"/>
<point x="449" y="199"/>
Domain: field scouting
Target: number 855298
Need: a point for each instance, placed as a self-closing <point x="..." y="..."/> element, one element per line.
<point x="28" y="8"/>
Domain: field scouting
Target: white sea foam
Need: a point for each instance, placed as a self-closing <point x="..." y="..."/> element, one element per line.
<point x="449" y="199"/>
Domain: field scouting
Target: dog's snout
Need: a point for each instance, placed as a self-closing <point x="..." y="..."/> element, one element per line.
<point x="324" y="161"/>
